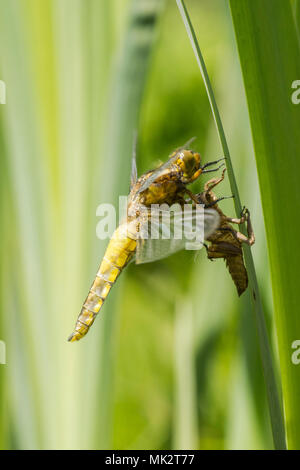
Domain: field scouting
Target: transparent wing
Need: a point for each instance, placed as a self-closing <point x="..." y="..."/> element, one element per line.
<point x="157" y="173"/>
<point x="160" y="170"/>
<point x="164" y="232"/>
<point x="133" y="178"/>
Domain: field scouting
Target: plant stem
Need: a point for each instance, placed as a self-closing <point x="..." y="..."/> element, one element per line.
<point x="275" y="408"/>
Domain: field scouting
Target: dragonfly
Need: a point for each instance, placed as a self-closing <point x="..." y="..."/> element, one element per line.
<point x="225" y="241"/>
<point x="166" y="185"/>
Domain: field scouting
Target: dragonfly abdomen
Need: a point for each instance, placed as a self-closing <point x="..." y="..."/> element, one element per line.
<point x="119" y="252"/>
<point x="238" y="272"/>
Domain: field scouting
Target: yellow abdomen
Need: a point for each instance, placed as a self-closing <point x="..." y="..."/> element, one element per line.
<point x="119" y="252"/>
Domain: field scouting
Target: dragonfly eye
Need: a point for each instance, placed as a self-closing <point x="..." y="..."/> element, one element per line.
<point x="189" y="163"/>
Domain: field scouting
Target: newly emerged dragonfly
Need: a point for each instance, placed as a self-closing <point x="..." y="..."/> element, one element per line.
<point x="226" y="242"/>
<point x="164" y="185"/>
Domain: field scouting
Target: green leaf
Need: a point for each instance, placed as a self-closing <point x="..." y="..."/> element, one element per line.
<point x="269" y="56"/>
<point x="266" y="356"/>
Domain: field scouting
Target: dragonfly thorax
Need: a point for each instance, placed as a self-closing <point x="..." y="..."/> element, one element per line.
<point x="189" y="164"/>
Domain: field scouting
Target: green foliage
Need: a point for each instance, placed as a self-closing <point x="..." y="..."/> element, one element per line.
<point x="166" y="365"/>
<point x="270" y="64"/>
<point x="274" y="403"/>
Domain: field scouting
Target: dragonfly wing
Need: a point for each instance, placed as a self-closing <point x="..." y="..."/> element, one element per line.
<point x="167" y="232"/>
<point x="153" y="249"/>
<point x="158" y="172"/>
<point x="211" y="222"/>
<point x="133" y="179"/>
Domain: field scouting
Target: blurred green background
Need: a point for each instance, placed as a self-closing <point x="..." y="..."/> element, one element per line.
<point x="172" y="362"/>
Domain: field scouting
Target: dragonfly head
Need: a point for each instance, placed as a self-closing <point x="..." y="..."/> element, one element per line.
<point x="189" y="163"/>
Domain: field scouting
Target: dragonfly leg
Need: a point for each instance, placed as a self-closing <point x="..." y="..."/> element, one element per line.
<point x="234" y="220"/>
<point x="250" y="231"/>
<point x="245" y="217"/>
<point x="250" y="239"/>
<point x="209" y="185"/>
<point x="202" y="170"/>
<point x="213" y="169"/>
<point x="241" y="220"/>
<point x="211" y="204"/>
<point x="212" y="163"/>
<point x="191" y="195"/>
